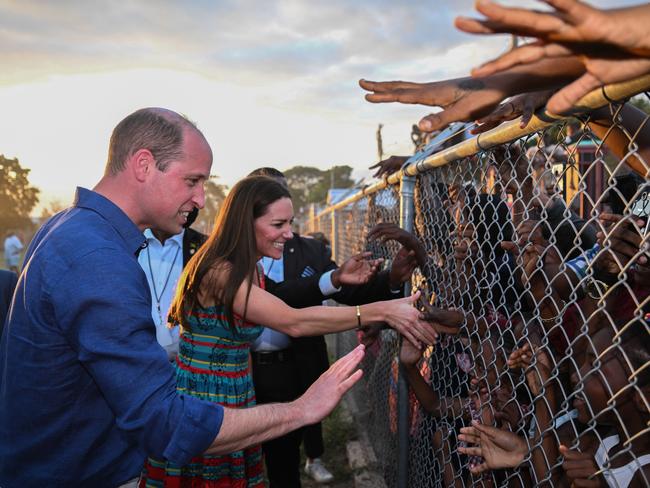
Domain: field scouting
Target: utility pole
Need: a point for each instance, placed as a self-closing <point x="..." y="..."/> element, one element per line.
<point x="380" y="145"/>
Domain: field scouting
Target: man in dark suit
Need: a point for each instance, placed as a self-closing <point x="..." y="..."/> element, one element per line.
<point x="8" y="280"/>
<point x="284" y="367"/>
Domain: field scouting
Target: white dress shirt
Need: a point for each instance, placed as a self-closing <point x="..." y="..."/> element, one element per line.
<point x="163" y="265"/>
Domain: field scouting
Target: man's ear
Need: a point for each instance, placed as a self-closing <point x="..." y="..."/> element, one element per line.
<point x="142" y="164"/>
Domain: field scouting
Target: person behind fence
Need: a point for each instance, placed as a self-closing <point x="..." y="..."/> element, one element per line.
<point x="219" y="302"/>
<point x="12" y="248"/>
<point x="85" y="390"/>
<point x="163" y="261"/>
<point x="617" y="451"/>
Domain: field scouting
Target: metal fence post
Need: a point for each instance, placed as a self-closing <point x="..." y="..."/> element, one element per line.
<point x="406" y="221"/>
<point x="335" y="237"/>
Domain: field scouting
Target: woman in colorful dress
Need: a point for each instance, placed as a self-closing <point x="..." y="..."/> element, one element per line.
<point x="219" y="301"/>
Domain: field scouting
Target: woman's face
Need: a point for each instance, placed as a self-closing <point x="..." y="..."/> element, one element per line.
<point x="273" y="228"/>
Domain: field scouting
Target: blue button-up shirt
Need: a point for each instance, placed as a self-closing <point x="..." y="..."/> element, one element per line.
<point x="86" y="392"/>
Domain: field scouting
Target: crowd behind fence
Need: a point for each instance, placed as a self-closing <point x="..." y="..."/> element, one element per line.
<point x="539" y="245"/>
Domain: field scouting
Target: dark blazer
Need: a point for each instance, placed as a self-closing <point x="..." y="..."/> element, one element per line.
<point x="192" y="240"/>
<point x="309" y="257"/>
<point x="8" y="280"/>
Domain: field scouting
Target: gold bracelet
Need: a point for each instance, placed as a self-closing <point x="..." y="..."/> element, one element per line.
<point x="551" y="320"/>
<point x="358" y="316"/>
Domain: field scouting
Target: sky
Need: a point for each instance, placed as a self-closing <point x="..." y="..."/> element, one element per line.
<point x="270" y="83"/>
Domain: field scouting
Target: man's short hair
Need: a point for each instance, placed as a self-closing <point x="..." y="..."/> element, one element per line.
<point x="267" y="171"/>
<point x="158" y="130"/>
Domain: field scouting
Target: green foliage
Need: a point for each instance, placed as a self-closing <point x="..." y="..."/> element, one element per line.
<point x="215" y="194"/>
<point x="17" y="197"/>
<point x="641" y="101"/>
<point x="310" y="185"/>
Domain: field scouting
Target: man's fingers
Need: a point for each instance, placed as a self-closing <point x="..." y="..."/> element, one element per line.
<point x="570" y="454"/>
<point x="347" y="364"/>
<point x="566" y="98"/>
<point x="382" y="86"/>
<point x="470" y="451"/>
<point x="440" y="119"/>
<point x="526" y="115"/>
<point x="362" y="256"/>
<point x="401" y="95"/>
<point x="351" y="380"/>
<point x="521" y="21"/>
<point x="424" y="332"/>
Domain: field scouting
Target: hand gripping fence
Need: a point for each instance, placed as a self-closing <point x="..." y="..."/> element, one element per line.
<point x="540" y="238"/>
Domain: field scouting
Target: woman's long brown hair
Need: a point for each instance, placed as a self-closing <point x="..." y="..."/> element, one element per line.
<point x="232" y="242"/>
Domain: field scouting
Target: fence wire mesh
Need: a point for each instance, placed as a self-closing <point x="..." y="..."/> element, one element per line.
<point x="542" y="245"/>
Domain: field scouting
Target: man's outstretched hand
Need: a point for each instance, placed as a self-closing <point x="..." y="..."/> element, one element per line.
<point x="326" y="392"/>
<point x="462" y="99"/>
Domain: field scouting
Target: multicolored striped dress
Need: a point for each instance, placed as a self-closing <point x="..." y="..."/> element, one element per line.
<point x="213" y="364"/>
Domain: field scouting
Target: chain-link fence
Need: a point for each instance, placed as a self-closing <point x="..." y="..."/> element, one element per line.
<point x="539" y="240"/>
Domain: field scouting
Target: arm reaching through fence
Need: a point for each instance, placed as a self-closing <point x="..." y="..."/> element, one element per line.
<point x="468" y="99"/>
<point x="613" y="45"/>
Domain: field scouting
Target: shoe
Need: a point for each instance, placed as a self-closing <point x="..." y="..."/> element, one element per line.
<point x="318" y="471"/>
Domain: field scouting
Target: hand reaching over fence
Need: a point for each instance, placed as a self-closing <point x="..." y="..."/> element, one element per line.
<point x="613" y="46"/>
<point x="388" y="166"/>
<point x="523" y="105"/>
<point x="469" y="99"/>
<point x="573" y="23"/>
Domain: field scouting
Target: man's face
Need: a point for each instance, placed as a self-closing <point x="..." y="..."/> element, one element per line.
<point x="172" y="194"/>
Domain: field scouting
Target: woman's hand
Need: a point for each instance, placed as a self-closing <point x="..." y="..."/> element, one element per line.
<point x="402" y="316"/>
<point x="499" y="448"/>
<point x="356" y="271"/>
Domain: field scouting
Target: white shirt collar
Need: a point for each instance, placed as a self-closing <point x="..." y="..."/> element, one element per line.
<point x="177" y="238"/>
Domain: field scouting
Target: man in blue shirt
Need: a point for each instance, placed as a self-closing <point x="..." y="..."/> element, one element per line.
<point x="85" y="390"/>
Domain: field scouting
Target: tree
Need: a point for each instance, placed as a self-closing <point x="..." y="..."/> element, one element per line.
<point x="17" y="197"/>
<point x="301" y="180"/>
<point x="310" y="185"/>
<point x="53" y="208"/>
<point x="641" y="102"/>
<point x="215" y="194"/>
